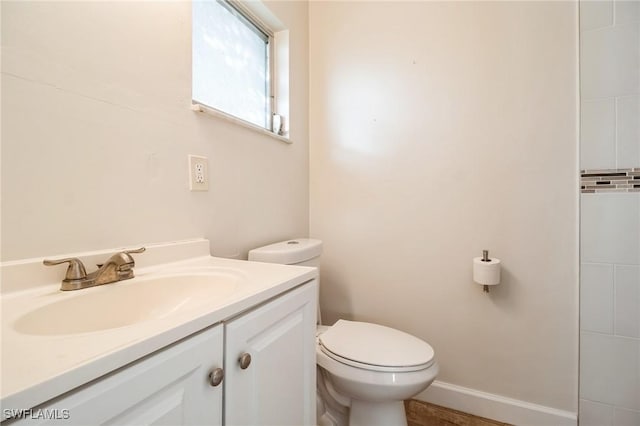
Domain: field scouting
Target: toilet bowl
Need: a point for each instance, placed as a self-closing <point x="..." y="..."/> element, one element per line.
<point x="365" y="371"/>
<point x="372" y="369"/>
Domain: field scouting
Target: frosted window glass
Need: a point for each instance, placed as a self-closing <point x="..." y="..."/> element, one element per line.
<point x="229" y="62"/>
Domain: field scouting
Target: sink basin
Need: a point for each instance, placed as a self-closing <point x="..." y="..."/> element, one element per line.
<point x="127" y="302"/>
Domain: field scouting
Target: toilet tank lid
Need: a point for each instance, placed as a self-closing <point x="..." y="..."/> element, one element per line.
<point x="288" y="252"/>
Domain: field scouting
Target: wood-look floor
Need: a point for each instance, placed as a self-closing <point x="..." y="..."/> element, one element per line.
<point x="424" y="414"/>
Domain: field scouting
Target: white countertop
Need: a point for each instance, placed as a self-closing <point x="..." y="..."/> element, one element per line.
<point x="36" y="368"/>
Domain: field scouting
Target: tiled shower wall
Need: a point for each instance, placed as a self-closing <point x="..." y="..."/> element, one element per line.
<point x="610" y="213"/>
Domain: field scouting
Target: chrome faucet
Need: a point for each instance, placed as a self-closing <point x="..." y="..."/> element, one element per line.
<point x="119" y="267"/>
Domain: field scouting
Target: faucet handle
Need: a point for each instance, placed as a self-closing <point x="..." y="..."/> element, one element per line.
<point x="75" y="270"/>
<point x="126" y="262"/>
<point x="127" y="259"/>
<point x="140" y="250"/>
<point x="126" y="254"/>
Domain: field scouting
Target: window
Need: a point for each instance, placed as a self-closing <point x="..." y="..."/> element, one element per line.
<point x="232" y="63"/>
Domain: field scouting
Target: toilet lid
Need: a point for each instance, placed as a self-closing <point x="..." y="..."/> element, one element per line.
<point x="375" y="345"/>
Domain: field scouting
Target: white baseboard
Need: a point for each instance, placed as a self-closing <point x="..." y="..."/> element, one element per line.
<point x="495" y="407"/>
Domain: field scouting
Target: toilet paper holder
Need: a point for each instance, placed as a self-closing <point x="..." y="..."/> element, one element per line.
<point x="485" y="258"/>
<point x="486" y="271"/>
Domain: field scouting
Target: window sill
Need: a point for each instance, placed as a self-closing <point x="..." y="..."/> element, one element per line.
<point x="214" y="112"/>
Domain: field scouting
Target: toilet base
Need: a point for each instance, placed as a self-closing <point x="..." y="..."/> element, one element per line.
<point x="365" y="413"/>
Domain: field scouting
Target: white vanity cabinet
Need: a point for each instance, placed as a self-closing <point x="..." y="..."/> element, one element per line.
<point x="277" y="386"/>
<point x="169" y="387"/>
<point x="173" y="385"/>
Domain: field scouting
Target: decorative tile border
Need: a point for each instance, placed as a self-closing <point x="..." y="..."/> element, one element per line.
<point x="610" y="180"/>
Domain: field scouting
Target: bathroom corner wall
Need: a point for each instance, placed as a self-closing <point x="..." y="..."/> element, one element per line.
<point x="439" y="129"/>
<point x="610" y="213"/>
<point x="97" y="126"/>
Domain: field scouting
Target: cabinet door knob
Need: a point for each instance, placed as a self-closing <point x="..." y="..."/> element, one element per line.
<point x="245" y="360"/>
<point x="216" y="376"/>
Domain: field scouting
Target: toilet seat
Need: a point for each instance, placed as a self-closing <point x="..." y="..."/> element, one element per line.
<point x="375" y="347"/>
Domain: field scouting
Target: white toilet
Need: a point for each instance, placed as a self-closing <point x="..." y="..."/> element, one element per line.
<point x="365" y="371"/>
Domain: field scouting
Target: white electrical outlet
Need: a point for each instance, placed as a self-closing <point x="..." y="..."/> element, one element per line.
<point x="198" y="173"/>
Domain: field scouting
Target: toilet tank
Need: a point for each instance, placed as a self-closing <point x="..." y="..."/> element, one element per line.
<point x="299" y="251"/>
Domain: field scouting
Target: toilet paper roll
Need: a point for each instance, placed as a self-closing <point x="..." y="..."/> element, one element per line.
<point x="486" y="273"/>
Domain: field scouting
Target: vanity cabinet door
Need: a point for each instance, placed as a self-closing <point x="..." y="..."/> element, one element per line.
<point x="169" y="387"/>
<point x="277" y="385"/>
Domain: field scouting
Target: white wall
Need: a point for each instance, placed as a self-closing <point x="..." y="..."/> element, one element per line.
<point x="97" y="126"/>
<point x="610" y="222"/>
<point x="439" y="129"/>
